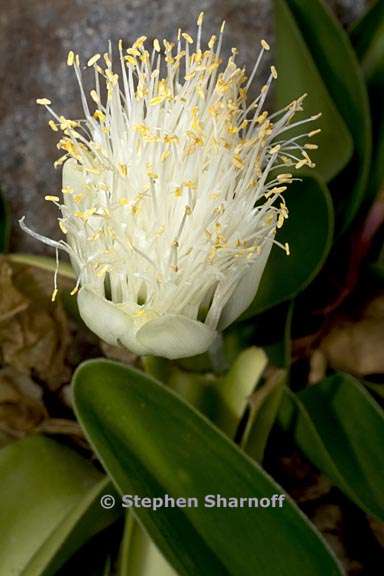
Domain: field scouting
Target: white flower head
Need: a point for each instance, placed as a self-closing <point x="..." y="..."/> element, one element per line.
<point x="172" y="192"/>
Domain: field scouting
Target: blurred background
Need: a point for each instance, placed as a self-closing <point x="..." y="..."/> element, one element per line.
<point x="35" y="37"/>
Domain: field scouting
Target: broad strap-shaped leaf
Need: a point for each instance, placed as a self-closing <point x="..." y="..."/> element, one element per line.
<point x="367" y="36"/>
<point x="309" y="231"/>
<point x="43" y="262"/>
<point x="87" y="519"/>
<point x="298" y="74"/>
<point x="153" y="443"/>
<point x="310" y="25"/>
<point x="340" y="428"/>
<point x="138" y="554"/>
<point x="49" y="506"/>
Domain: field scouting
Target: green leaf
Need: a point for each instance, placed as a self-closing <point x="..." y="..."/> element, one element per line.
<point x="367" y="36"/>
<point x="308" y="231"/>
<point x="264" y="405"/>
<point x="138" y="554"/>
<point x="236" y="387"/>
<point x="5" y="224"/>
<point x="49" y="506"/>
<point x="313" y="25"/>
<point x="340" y="428"/>
<point x="153" y="443"/>
<point x="377" y="389"/>
<point x="298" y="74"/>
<point x="43" y="262"/>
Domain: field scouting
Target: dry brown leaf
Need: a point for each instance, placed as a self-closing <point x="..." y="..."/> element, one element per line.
<point x="34" y="339"/>
<point x="21" y="406"/>
<point x="11" y="300"/>
<point x="357" y="346"/>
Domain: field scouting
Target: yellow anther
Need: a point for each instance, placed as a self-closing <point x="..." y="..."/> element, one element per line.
<point x="139" y="42"/>
<point x="156" y="100"/>
<point x="107" y="59"/>
<point x="93" y="60"/>
<point x="156" y="45"/>
<point x="274" y="72"/>
<point x="52" y="198"/>
<point x="99" y="115"/>
<point x="70" y="58"/>
<point x="54" y="294"/>
<point x="133" y="51"/>
<point x="314" y="132"/>
<point x="283" y="177"/>
<point x="53" y="125"/>
<point x="187" y="37"/>
<point x="212" y="42"/>
<point x="311" y="146"/>
<point x="43" y="101"/>
<point x="265" y="45"/>
<point x="301" y="163"/>
<point x="78" y="197"/>
<point x="262" y="117"/>
<point x="275" y="149"/>
<point x="222" y="26"/>
<point x="286" y="248"/>
<point x="164" y="155"/>
<point x="73" y="292"/>
<point x="130" y="60"/>
<point x="200" y="19"/>
<point x="60" y="161"/>
<point x="123" y="169"/>
<point x="238" y="162"/>
<point x="63" y="227"/>
<point x="123" y="201"/>
<point x="95" y="96"/>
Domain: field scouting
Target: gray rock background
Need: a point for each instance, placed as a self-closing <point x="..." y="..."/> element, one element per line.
<point x="35" y="37"/>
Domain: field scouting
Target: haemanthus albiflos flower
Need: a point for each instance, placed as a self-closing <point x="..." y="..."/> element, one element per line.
<point x="172" y="192"/>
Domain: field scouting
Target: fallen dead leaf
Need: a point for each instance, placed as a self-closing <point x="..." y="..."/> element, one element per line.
<point x="21" y="406"/>
<point x="356" y="346"/>
<point x="34" y="332"/>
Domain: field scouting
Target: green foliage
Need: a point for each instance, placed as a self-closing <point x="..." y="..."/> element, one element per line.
<point x="50" y="506"/>
<point x="298" y="74"/>
<point x="152" y="443"/>
<point x="308" y="231"/>
<point x="341" y="429"/>
<point x="264" y="406"/>
<point x="368" y="39"/>
<point x="308" y="38"/>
